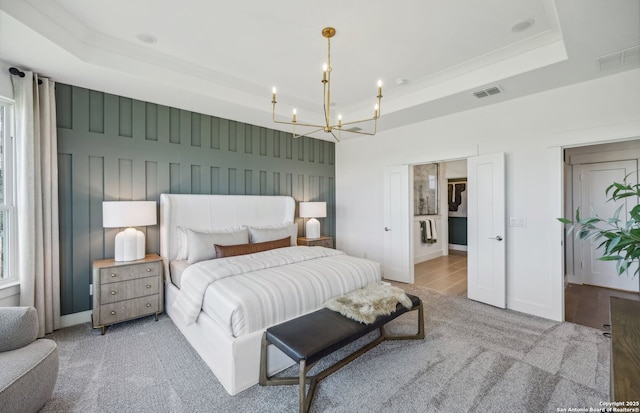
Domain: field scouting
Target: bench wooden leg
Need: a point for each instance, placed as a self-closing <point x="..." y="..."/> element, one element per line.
<point x="306" y="395"/>
<point x="418" y="336"/>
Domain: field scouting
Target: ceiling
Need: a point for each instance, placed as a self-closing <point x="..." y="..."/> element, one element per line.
<point x="222" y="58"/>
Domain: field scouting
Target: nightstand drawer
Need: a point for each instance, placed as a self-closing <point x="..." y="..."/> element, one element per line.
<point x="125" y="290"/>
<point x="129" y="272"/>
<point x="326" y="242"/>
<point x="124" y="310"/>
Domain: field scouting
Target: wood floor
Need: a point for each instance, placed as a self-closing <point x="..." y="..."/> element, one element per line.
<point x="447" y="274"/>
<point x="589" y="305"/>
<point x="584" y="304"/>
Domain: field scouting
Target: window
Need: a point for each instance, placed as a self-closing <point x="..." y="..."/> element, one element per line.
<point x="7" y="195"/>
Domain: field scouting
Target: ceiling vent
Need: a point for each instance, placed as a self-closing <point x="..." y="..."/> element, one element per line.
<point x="627" y="56"/>
<point x="487" y="92"/>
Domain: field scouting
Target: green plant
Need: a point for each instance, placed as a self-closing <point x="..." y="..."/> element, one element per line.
<point x="620" y="240"/>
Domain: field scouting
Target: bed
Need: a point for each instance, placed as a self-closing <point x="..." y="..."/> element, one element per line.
<point x="223" y="305"/>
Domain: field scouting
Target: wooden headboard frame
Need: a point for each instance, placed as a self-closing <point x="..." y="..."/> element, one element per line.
<point x="206" y="212"/>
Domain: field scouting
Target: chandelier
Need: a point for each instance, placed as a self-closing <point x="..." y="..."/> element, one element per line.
<point x="328" y="126"/>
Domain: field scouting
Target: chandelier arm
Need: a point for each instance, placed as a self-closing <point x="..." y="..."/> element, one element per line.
<point x="308" y="133"/>
<point x="358" y="132"/>
<point x="335" y="137"/>
<point x="359" y="121"/>
<point x="310" y="125"/>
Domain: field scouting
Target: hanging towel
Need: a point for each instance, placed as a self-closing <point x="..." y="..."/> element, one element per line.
<point x="423" y="232"/>
<point x="432" y="235"/>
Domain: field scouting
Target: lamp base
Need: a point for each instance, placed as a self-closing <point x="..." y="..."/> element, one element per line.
<point x="313" y="228"/>
<point x="129" y="245"/>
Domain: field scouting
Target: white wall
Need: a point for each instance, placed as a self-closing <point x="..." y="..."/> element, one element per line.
<point x="6" y="88"/>
<point x="531" y="131"/>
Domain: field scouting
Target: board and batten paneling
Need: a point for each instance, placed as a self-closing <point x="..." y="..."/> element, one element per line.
<point x="114" y="148"/>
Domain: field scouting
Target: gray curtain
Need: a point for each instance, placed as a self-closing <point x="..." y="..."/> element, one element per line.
<point x="37" y="198"/>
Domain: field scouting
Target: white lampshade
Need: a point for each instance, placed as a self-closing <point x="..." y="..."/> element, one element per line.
<point x="129" y="244"/>
<point x="313" y="210"/>
<point x="120" y="214"/>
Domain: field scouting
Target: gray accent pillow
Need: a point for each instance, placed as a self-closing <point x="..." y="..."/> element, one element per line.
<point x="202" y="244"/>
<point x="274" y="232"/>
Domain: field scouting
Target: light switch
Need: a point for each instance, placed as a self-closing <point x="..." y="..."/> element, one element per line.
<point x="517" y="222"/>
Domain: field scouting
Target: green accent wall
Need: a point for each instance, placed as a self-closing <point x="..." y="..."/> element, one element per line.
<point x="458" y="230"/>
<point x="114" y="148"/>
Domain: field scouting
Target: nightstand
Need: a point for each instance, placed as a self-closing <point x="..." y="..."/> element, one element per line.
<point x="124" y="290"/>
<point x="316" y="242"/>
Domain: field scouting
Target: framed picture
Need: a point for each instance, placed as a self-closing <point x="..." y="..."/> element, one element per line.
<point x="425" y="189"/>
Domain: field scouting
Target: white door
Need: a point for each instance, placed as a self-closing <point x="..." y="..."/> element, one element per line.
<point x="397" y="265"/>
<point x="486" y="281"/>
<point x="594" y="179"/>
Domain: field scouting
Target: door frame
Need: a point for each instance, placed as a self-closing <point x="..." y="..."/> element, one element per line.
<point x="571" y="271"/>
<point x="461" y="157"/>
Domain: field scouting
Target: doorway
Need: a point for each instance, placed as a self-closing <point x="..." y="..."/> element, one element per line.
<point x="444" y="270"/>
<point x="589" y="282"/>
<point x="486" y="275"/>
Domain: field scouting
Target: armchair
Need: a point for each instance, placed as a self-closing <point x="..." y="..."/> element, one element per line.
<point x="28" y="366"/>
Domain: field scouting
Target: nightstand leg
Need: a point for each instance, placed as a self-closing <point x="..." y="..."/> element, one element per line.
<point x="156" y="316"/>
<point x="102" y="330"/>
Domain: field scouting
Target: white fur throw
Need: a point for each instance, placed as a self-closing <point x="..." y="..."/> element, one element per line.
<point x="368" y="303"/>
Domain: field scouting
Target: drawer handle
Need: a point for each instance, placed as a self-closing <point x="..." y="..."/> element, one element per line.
<point x="148" y="305"/>
<point x="148" y="269"/>
<point x="113" y="293"/>
<point x="113" y="313"/>
<point x="113" y="274"/>
<point x="148" y="285"/>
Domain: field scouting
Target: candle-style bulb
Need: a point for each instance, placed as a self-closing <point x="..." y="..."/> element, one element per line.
<point x="273" y="95"/>
<point x="295" y="112"/>
<point x="379" y="88"/>
<point x="339" y="121"/>
<point x="375" y="111"/>
<point x="324" y="73"/>
<point x="273" y="90"/>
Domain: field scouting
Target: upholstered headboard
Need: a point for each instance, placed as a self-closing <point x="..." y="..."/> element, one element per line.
<point x="205" y="212"/>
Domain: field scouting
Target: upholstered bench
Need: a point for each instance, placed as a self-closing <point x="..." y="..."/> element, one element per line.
<point x="309" y="338"/>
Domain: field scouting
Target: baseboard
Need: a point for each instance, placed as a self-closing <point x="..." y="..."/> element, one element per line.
<point x="75" y="319"/>
<point x="457" y="247"/>
<point x="573" y="279"/>
<point x="427" y="257"/>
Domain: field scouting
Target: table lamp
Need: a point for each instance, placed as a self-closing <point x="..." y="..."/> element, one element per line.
<point x="313" y="210"/>
<point x="120" y="214"/>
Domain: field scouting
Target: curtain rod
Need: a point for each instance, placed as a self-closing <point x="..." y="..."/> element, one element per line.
<point x="18" y="72"/>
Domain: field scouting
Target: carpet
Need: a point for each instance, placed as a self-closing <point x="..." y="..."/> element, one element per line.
<point x="475" y="358"/>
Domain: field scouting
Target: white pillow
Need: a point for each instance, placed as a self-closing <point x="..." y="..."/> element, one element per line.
<point x="183" y="239"/>
<point x="274" y="232"/>
<point x="201" y="244"/>
<point x="183" y="250"/>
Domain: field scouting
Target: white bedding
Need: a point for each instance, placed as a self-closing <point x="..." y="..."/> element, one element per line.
<point x="250" y="292"/>
<point x="177" y="267"/>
